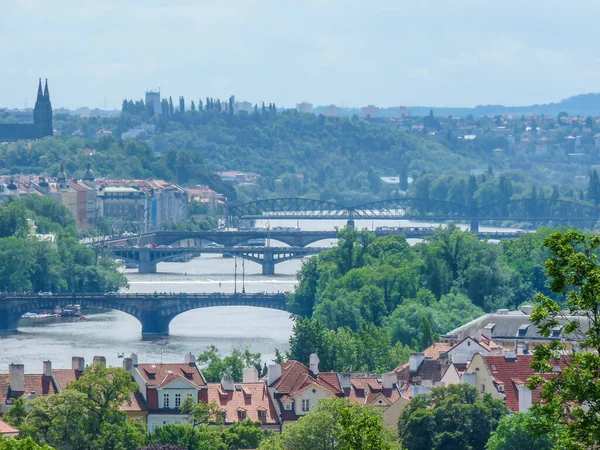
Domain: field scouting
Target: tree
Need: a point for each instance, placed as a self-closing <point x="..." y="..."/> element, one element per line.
<point x="514" y="432"/>
<point x="215" y="366"/>
<point x="570" y="398"/>
<point x="334" y="424"/>
<point x="163" y="447"/>
<point x="450" y="417"/>
<point x="201" y="412"/>
<point x="86" y="414"/>
<point x="22" y="444"/>
<point x="16" y="415"/>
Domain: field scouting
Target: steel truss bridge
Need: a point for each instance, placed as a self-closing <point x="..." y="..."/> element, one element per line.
<point x="535" y="211"/>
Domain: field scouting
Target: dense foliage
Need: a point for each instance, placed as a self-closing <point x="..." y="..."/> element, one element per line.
<point x="515" y="432"/>
<point x="214" y="366"/>
<point x="452" y="417"/>
<point x="570" y="398"/>
<point x="382" y="293"/>
<point x="334" y="424"/>
<point x="71" y="267"/>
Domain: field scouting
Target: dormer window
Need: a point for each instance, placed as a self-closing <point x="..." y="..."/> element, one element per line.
<point x="287" y="406"/>
<point x="241" y="414"/>
<point x="262" y="415"/>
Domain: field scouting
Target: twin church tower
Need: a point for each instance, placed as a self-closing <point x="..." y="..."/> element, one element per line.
<point x="42" y="120"/>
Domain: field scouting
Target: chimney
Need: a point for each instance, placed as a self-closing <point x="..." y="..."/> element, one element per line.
<point x="415" y="361"/>
<point x="128" y="364"/>
<point x="134" y="359"/>
<point x="273" y="373"/>
<point x="250" y="375"/>
<point x="190" y="359"/>
<point x="48" y="368"/>
<point x="17" y="377"/>
<point x="444" y="362"/>
<point x="227" y="383"/>
<point x="78" y="363"/>
<point x="345" y="382"/>
<point x="388" y="380"/>
<point x="99" y="360"/>
<point x="524" y="398"/>
<point x="314" y="363"/>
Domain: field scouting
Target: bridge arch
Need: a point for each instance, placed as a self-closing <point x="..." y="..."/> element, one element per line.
<point x="154" y="312"/>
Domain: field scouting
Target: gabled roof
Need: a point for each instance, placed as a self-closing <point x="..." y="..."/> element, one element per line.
<point x="248" y="397"/>
<point x="370" y="390"/>
<point x="429" y="370"/>
<point x="136" y="402"/>
<point x="434" y="350"/>
<point x="34" y="383"/>
<point x="7" y="429"/>
<point x="295" y="376"/>
<point x="65" y="376"/>
<point x="512" y="373"/>
<point x="160" y="375"/>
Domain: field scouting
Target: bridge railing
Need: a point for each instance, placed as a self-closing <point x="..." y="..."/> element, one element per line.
<point x="140" y="296"/>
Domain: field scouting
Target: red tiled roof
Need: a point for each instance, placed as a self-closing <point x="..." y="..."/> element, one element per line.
<point x="430" y="369"/>
<point x="295" y="377"/>
<point x="368" y="389"/>
<point x="65" y="376"/>
<point x="39" y="384"/>
<point x="158" y="375"/>
<point x="135" y="403"/>
<point x="6" y="428"/>
<point x="514" y="372"/>
<point x="251" y="398"/>
<point x="434" y="350"/>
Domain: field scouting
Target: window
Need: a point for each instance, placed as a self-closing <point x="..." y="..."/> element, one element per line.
<point x="262" y="414"/>
<point x="305" y="405"/>
<point x="165" y="400"/>
<point x="189" y="395"/>
<point x="241" y="414"/>
<point x="288" y="406"/>
<point x="177" y="400"/>
<point x="483" y="388"/>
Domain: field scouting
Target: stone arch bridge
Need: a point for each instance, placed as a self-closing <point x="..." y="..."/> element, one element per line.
<point x="154" y="311"/>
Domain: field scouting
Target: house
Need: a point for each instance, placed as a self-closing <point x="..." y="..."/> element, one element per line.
<point x="164" y="387"/>
<point x="462" y="352"/>
<point x="420" y="374"/>
<point x="505" y="377"/>
<point x="17" y="384"/>
<point x="135" y="408"/>
<point x="380" y="391"/>
<point x="296" y="389"/>
<point x="7" y="431"/>
<point x="513" y="330"/>
<point x="249" y="399"/>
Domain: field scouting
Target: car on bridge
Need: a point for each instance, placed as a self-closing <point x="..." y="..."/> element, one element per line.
<point x="45" y="294"/>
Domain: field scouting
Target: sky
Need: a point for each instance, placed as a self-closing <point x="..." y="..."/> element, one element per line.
<point x="344" y="52"/>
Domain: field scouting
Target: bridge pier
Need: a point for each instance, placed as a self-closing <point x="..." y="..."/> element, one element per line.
<point x="146" y="264"/>
<point x="474" y="226"/>
<point x="9" y="322"/>
<point x="268" y="263"/>
<point x="153" y="324"/>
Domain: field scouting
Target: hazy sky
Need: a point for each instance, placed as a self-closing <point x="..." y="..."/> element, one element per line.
<point x="345" y="52"/>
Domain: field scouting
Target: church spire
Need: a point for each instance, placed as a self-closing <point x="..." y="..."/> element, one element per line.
<point x="46" y="92"/>
<point x="40" y="95"/>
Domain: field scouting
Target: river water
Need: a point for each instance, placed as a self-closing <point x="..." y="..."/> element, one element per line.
<point x="109" y="333"/>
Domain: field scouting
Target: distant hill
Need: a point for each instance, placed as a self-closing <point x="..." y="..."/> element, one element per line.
<point x="582" y="105"/>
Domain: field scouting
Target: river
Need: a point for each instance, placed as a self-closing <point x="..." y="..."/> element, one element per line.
<point x="109" y="333"/>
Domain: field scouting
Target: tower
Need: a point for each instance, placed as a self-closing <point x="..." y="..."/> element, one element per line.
<point x="61" y="178"/>
<point x="42" y="112"/>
